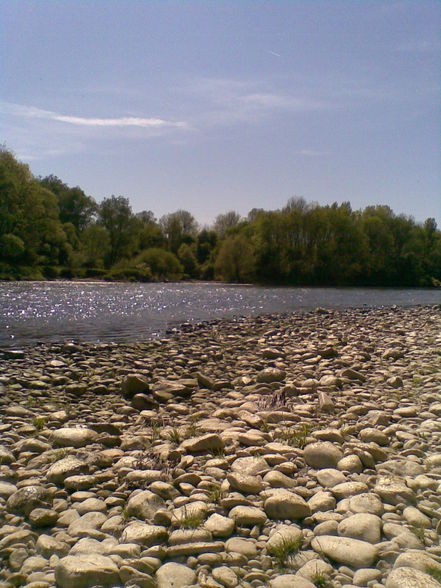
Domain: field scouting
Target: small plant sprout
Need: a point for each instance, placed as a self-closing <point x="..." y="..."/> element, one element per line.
<point x="190" y="519"/>
<point x="39" y="422"/>
<point x="295" y="437"/>
<point x="320" y="580"/>
<point x="174" y="436"/>
<point x="434" y="572"/>
<point x="216" y="494"/>
<point x="284" y="549"/>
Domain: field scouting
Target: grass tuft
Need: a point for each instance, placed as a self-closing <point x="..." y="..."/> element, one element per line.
<point x="434" y="572"/>
<point x="295" y="437"/>
<point x="216" y="494"/>
<point x="285" y="549"/>
<point x="190" y="519"/>
<point x="174" y="436"/>
<point x="320" y="580"/>
<point x="39" y="422"/>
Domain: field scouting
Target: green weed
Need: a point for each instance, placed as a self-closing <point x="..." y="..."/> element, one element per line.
<point x="39" y="422"/>
<point x="320" y="580"/>
<point x="174" y="436"/>
<point x="285" y="549"/>
<point x="435" y="573"/>
<point x="190" y="519"/>
<point x="295" y="437"/>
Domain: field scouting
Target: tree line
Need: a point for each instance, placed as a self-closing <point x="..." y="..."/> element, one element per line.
<point x="51" y="230"/>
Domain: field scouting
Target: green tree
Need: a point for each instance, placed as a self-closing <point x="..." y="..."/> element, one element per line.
<point x="115" y="215"/>
<point x="235" y="260"/>
<point x="95" y="245"/>
<point x="74" y="205"/>
<point x="225" y="222"/>
<point x="179" y="227"/>
<point x="188" y="260"/>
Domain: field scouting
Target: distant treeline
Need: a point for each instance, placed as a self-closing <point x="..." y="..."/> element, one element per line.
<point x="50" y="230"/>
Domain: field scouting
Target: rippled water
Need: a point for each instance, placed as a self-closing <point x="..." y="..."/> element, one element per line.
<point x="92" y="311"/>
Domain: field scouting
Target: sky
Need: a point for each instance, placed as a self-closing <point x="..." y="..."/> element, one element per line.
<point x="211" y="106"/>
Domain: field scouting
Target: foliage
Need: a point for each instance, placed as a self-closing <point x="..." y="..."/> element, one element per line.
<point x="434" y="572"/>
<point x="190" y="519"/>
<point x="115" y="215"/>
<point x="51" y="230"/>
<point x="235" y="261"/>
<point x="163" y="264"/>
<point x="285" y="548"/>
<point x="225" y="222"/>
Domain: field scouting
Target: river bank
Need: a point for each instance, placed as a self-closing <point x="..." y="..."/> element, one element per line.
<point x="293" y="450"/>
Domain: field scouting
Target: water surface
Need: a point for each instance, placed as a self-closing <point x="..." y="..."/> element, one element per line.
<point x="95" y="311"/>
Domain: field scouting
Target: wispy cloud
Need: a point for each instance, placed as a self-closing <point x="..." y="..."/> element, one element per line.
<point x="127" y="121"/>
<point x="227" y="101"/>
<point x="419" y="46"/>
<point x="282" y="102"/>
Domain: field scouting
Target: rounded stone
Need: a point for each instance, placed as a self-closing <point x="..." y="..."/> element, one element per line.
<point x="86" y="571"/>
<point x="363" y="526"/>
<point x="74" y="437"/>
<point x="283" y="505"/>
<point x="248" y="516"/>
<point x="410" y="578"/>
<point x="291" y="581"/>
<point x="322" y="455"/>
<point x="175" y="575"/>
<point x="24" y="500"/>
<point x="219" y="525"/>
<point x="351" y="552"/>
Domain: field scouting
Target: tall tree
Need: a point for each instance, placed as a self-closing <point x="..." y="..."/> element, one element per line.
<point x="224" y="222"/>
<point x="74" y="205"/>
<point x="179" y="227"/>
<point x="115" y="215"/>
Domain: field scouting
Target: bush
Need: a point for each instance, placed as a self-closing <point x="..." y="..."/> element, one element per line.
<point x="94" y="272"/>
<point x="162" y="264"/>
<point x="12" y="246"/>
<point x="130" y="273"/>
<point x="51" y="272"/>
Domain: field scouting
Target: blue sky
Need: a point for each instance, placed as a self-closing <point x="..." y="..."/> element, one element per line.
<point x="214" y="105"/>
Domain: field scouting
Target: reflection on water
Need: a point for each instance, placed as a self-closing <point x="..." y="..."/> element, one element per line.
<point x="54" y="311"/>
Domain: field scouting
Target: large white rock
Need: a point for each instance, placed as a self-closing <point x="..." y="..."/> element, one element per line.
<point x="251" y="466"/>
<point x="410" y="578"/>
<point x="351" y="552"/>
<point x="174" y="575"/>
<point x="363" y="526"/>
<point x="247" y="516"/>
<point x="291" y="581"/>
<point x="322" y="455"/>
<point x="418" y="560"/>
<point x="86" y="571"/>
<point x="144" y="505"/>
<point x="366" y="502"/>
<point x="74" y="437"/>
<point x="219" y="525"/>
<point x="393" y="490"/>
<point x="208" y="442"/>
<point x="282" y="534"/>
<point x="285" y="505"/>
<point x="65" y="468"/>
<point x="144" y="534"/>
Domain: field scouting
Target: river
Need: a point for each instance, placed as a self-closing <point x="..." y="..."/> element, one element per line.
<point x="31" y="312"/>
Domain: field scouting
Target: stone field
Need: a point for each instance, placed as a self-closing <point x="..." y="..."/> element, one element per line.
<point x="287" y="451"/>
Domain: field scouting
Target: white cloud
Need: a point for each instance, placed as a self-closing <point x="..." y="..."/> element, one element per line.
<point x="225" y="102"/>
<point x="419" y="46"/>
<point x="38" y="113"/>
